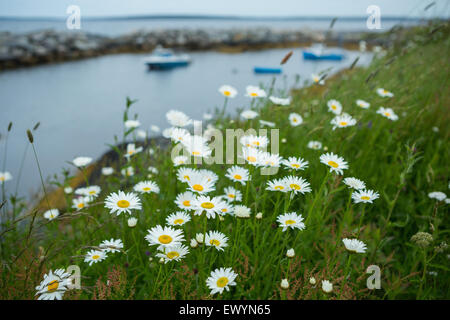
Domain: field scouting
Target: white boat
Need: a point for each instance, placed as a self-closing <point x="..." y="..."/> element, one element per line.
<point x="162" y="58"/>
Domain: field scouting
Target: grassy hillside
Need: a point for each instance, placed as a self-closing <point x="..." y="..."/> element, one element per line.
<point x="402" y="160"/>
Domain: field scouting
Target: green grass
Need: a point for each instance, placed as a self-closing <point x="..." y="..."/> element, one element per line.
<point x="403" y="160"/>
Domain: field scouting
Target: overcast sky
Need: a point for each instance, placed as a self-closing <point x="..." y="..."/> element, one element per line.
<point x="57" y="8"/>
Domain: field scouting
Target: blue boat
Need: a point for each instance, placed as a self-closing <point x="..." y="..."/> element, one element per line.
<point x="163" y="59"/>
<point x="266" y="70"/>
<point x="318" y="52"/>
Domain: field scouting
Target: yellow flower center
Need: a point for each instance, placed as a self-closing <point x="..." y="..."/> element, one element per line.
<point x="172" y="254"/>
<point x="295" y="165"/>
<point x="207" y="205"/>
<point x="2" y="178"/>
<point x="178" y="221"/>
<point x="123" y="203"/>
<point x="186" y="203"/>
<point x="53" y="286"/>
<point x="227" y="93"/>
<point x="231" y="196"/>
<point x="365" y="198"/>
<point x="387" y="114"/>
<point x="333" y="107"/>
<point x="195" y="153"/>
<point x="197" y="187"/>
<point x="222" y="282"/>
<point x="186" y="177"/>
<point x="92" y="192"/>
<point x="333" y="164"/>
<point x="289" y="222"/>
<point x="95" y="256"/>
<point x="254" y="94"/>
<point x="251" y="159"/>
<point x="146" y="189"/>
<point x="237" y="177"/>
<point x="294" y="120"/>
<point x="295" y="186"/>
<point x="214" y="242"/>
<point x="224" y="210"/>
<point x="343" y="123"/>
<point x="256" y="143"/>
<point x="165" y="239"/>
<point x="80" y="205"/>
<point x="279" y="188"/>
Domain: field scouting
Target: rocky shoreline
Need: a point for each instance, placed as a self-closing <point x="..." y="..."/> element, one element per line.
<point x="47" y="46"/>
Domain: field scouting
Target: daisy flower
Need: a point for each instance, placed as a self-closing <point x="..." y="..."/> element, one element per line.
<point x="228" y="91"/>
<point x="316" y="79"/>
<point x="164" y="237"/>
<point x="232" y="194"/>
<point x="362" y="104"/>
<point x="127" y="172"/>
<point x="437" y="195"/>
<point x="284" y="284"/>
<point x="295" y="119"/>
<point x="296" y="184"/>
<point x="342" y="121"/>
<point x="291" y="220"/>
<point x="336" y="163"/>
<point x="146" y="187"/>
<point x="242" y="211"/>
<point x="132" y="124"/>
<point x="113" y="245"/>
<point x="315" y="145"/>
<point x="177" y="118"/>
<point x="227" y="208"/>
<point x="196" y="146"/>
<point x="211" y="205"/>
<point x="91" y="192"/>
<point x="280" y="101"/>
<point x="270" y="159"/>
<point x="122" y="202"/>
<point x="267" y="123"/>
<point x="173" y="253"/>
<point x="154" y="128"/>
<point x="221" y="279"/>
<point x="132" y="222"/>
<point x="388" y="113"/>
<point x="81" y="161"/>
<point x="277" y="185"/>
<point x="132" y="150"/>
<point x="53" y="286"/>
<point x="295" y="163"/>
<point x="252" y="156"/>
<point x="216" y="239"/>
<point x="238" y="174"/>
<point x="5" y="176"/>
<point x="255" y="92"/>
<point x="354" y="245"/>
<point x="107" y="171"/>
<point x="184" y="200"/>
<point x="80" y="203"/>
<point x="253" y="141"/>
<point x="185" y="174"/>
<point x="51" y="214"/>
<point x="153" y="170"/>
<point x="365" y="196"/>
<point x="180" y="160"/>
<point x="179" y="135"/>
<point x="334" y="106"/>
<point x="354" y="183"/>
<point x="200" y="183"/>
<point x="327" y="286"/>
<point x="178" y="218"/>
<point x="384" y="93"/>
<point x="249" y="114"/>
<point x="208" y="174"/>
<point x="94" y="256"/>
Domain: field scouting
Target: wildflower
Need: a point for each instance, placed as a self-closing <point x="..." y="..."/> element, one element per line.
<point x="295" y="119"/>
<point x="216" y="239"/>
<point x="437" y="195"/>
<point x="267" y="123"/>
<point x="209" y="175"/>
<point x="296" y="184"/>
<point x="51" y="214"/>
<point x="210" y="205"/>
<point x="384" y="93"/>
<point x="249" y="114"/>
<point x="155" y="128"/>
<point x="252" y="156"/>
<point x="253" y="141"/>
<point x="354" y="245"/>
<point x="388" y="113"/>
<point x="68" y="190"/>
<point x="242" y="211"/>
<point x="270" y="159"/>
<point x="327" y="286"/>
<point x="199" y="237"/>
<point x="290" y="253"/>
<point x="81" y="161"/>
<point x="280" y="101"/>
<point x="91" y="192"/>
<point x="334" y="106"/>
<point x="142" y="134"/>
<point x="238" y="174"/>
<point x="127" y="172"/>
<point x="132" y="222"/>
<point x="80" y="203"/>
<point x="112" y="245"/>
<point x="94" y="256"/>
<point x="107" y="171"/>
<point x="164" y="237"/>
<point x="196" y="146"/>
<point x="178" y="218"/>
<point x="342" y="121"/>
<point x="179" y="135"/>
<point x="295" y="163"/>
<point x="184" y="200"/>
<point x="221" y="279"/>
<point x="180" y="160"/>
<point x="284" y="284"/>
<point x="153" y="170"/>
<point x="173" y="253"/>
<point x="228" y="91"/>
<point x="316" y="79"/>
<point x="232" y="194"/>
<point x="259" y="215"/>
<point x="362" y="104"/>
<point x="422" y="239"/>
<point x="255" y="92"/>
<point x="5" y="176"/>
<point x="315" y="145"/>
<point x="277" y="185"/>
<point x="200" y="183"/>
<point x="146" y="187"/>
<point x="132" y="150"/>
<point x="132" y="124"/>
<point x="185" y="174"/>
<point x="122" y="202"/>
<point x="354" y="183"/>
<point x="365" y="196"/>
<point x="178" y="118"/>
<point x="53" y="286"/>
<point x="312" y="280"/>
<point x="336" y="163"/>
<point x="194" y="243"/>
<point x="291" y="220"/>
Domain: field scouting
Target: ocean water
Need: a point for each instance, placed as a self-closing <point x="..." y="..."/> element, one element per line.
<point x="80" y="103"/>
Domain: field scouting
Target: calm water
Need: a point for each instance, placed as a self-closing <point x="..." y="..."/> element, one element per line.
<point x="80" y="104"/>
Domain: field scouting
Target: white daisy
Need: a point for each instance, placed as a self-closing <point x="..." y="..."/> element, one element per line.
<point x="177" y="118"/>
<point x="277" y="185"/>
<point x="316" y="79"/>
<point x="127" y="172"/>
<point x="113" y="245"/>
<point x="238" y="174"/>
<point x="91" y="192"/>
<point x="80" y="203"/>
<point x="211" y="205"/>
<point x="365" y="196"/>
<point x="132" y="150"/>
<point x="270" y="159"/>
<point x="208" y="174"/>
<point x="336" y="163"/>
<point x="437" y="195"/>
<point x="354" y="245"/>
<point x="122" y="202"/>
<point x="264" y="123"/>
<point x="132" y="124"/>
<point x="184" y="200"/>
<point x="221" y="279"/>
<point x="249" y="114"/>
<point x="252" y="156"/>
<point x="342" y="121"/>
<point x="253" y="141"/>
<point x="81" y="161"/>
<point x="295" y="119"/>
<point x="178" y="218"/>
<point x="362" y="104"/>
<point x="291" y="220"/>
<point x="173" y="253"/>
<point x="228" y="91"/>
<point x="295" y="163"/>
<point x="107" y="171"/>
<point x="354" y="183"/>
<point x="180" y="160"/>
<point x="255" y="92"/>
<point x="164" y="236"/>
<point x="51" y="214"/>
<point x="232" y="194"/>
<point x="327" y="286"/>
<point x="388" y="113"/>
<point x="242" y="211"/>
<point x="5" y="176"/>
<point x="53" y="286"/>
<point x="200" y="183"/>
<point x="227" y="208"/>
<point x="334" y="106"/>
<point x="216" y="239"/>
<point x="146" y="187"/>
<point x="384" y="93"/>
<point x="185" y="174"/>
<point x="296" y="184"/>
<point x="179" y="135"/>
<point x="196" y="146"/>
<point x="94" y="256"/>
<point x="280" y="101"/>
<point x="315" y="145"/>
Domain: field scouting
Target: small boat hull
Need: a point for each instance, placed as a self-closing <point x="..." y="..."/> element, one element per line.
<point x="166" y="65"/>
<point x="307" y="55"/>
<point x="267" y="70"/>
